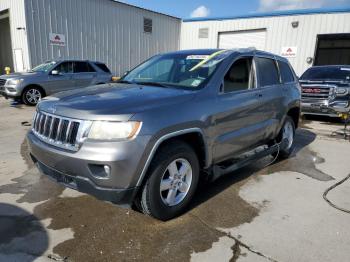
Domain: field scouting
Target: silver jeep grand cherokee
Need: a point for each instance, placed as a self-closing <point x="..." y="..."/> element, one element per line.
<point x="53" y="77"/>
<point x="176" y="119"/>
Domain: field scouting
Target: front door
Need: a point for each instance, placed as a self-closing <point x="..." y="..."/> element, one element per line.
<point x="238" y="116"/>
<point x="63" y="80"/>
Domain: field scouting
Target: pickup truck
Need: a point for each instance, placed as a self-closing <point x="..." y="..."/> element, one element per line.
<point x="325" y="90"/>
<point x="176" y="119"/>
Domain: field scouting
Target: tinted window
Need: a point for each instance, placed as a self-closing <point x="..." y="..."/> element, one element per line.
<point x="286" y="72"/>
<point x="239" y="75"/>
<point x="103" y="67"/>
<point x="327" y="73"/>
<point x="82" y="67"/>
<point x="268" y="73"/>
<point x="65" y="67"/>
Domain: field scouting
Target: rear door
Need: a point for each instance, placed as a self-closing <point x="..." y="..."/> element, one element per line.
<point x="272" y="107"/>
<point x="238" y="111"/>
<point x="84" y="74"/>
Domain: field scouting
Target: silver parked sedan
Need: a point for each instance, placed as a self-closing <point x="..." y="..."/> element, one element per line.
<point x="53" y="77"/>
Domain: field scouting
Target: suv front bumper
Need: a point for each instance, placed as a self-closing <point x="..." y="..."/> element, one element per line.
<point x="77" y="170"/>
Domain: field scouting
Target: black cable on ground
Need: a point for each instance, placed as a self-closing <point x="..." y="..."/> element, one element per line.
<point x="332" y="187"/>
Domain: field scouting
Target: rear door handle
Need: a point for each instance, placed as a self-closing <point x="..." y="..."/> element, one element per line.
<point x="259" y="95"/>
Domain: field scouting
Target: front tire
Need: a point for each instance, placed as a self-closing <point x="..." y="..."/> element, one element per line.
<point x="174" y="175"/>
<point x="32" y="95"/>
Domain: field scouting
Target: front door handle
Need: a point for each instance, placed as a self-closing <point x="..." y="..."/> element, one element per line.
<point x="259" y="95"/>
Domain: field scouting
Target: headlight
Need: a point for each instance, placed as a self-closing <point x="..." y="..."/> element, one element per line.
<point x="341" y="90"/>
<point x="14" y="82"/>
<point x="104" y="130"/>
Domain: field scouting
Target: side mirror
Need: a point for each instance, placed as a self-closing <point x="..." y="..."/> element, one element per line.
<point x="55" y="73"/>
<point x="116" y="78"/>
<point x="126" y="72"/>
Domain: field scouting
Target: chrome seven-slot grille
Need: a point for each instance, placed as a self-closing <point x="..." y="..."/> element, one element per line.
<point x="56" y="130"/>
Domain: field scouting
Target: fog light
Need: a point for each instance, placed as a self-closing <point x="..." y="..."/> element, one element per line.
<point x="11" y="89"/>
<point x="100" y="171"/>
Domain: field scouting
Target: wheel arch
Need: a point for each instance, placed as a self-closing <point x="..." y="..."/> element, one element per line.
<point x="294" y="113"/>
<point x="191" y="136"/>
<point x="36" y="86"/>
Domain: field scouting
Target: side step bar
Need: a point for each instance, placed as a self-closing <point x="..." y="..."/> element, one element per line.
<point x="246" y="159"/>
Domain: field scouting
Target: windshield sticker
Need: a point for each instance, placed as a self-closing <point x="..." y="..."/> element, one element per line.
<point x="345" y="69"/>
<point x="197" y="57"/>
<point x="196" y="82"/>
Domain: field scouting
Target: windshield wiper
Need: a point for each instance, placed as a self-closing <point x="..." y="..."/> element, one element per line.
<point x="151" y="84"/>
<point x="125" y="82"/>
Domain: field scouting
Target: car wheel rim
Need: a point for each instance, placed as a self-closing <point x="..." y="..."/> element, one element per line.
<point x="176" y="182"/>
<point x="288" y="134"/>
<point x="33" y="96"/>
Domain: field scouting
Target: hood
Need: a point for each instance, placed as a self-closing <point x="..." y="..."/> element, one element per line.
<point x="118" y="102"/>
<point x="20" y="75"/>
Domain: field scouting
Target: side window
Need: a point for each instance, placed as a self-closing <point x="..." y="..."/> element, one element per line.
<point x="240" y="76"/>
<point x="82" y="67"/>
<point x="65" y="68"/>
<point x="286" y="72"/>
<point x="103" y="67"/>
<point x="268" y="73"/>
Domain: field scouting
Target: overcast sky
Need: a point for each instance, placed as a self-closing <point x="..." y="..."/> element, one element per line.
<point x="214" y="8"/>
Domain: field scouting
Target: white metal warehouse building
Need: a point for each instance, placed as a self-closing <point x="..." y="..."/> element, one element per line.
<point x="122" y="35"/>
<point x="118" y="34"/>
<point x="306" y="37"/>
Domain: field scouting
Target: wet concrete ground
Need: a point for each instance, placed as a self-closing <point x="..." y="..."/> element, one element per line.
<point x="273" y="213"/>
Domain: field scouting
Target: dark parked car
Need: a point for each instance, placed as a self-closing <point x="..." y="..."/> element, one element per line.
<point x="146" y="140"/>
<point x="52" y="77"/>
<point x="325" y="88"/>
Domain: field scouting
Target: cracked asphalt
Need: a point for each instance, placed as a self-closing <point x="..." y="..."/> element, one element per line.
<point x="260" y="213"/>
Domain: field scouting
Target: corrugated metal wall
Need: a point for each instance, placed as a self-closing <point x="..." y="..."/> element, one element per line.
<point x="280" y="33"/>
<point x="102" y="30"/>
<point x="17" y="20"/>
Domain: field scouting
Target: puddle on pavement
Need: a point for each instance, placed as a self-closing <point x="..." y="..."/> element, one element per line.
<point x="303" y="160"/>
<point x="35" y="187"/>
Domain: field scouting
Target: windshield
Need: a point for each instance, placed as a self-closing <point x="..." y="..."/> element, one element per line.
<point x="327" y="73"/>
<point x="177" y="70"/>
<point x="43" y="67"/>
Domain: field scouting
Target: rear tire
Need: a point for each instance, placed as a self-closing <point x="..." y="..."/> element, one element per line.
<point x="32" y="95"/>
<point x="287" y="132"/>
<point x="172" y="182"/>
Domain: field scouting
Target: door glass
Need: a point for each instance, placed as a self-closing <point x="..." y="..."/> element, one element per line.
<point x="240" y="76"/>
<point x="268" y="73"/>
<point x="81" y="67"/>
<point x="65" y="68"/>
<point x="286" y="72"/>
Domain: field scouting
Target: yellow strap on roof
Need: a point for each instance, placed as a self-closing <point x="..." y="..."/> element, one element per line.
<point x="206" y="60"/>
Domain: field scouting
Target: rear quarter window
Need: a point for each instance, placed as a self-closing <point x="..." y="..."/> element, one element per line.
<point x="286" y="72"/>
<point x="103" y="67"/>
<point x="268" y="72"/>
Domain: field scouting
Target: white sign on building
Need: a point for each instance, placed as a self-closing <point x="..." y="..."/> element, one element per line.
<point x="57" y="39"/>
<point x="289" y="51"/>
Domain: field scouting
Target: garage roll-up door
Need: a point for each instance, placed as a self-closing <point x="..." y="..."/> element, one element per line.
<point x="243" y="39"/>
